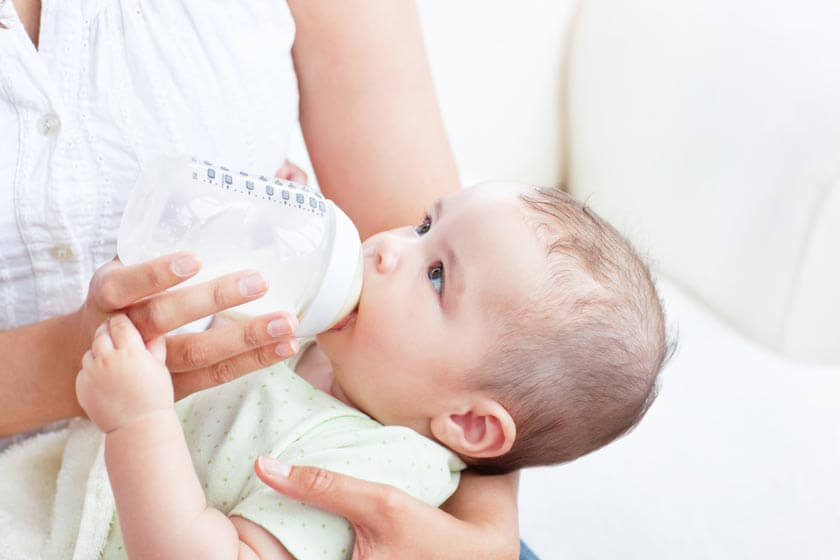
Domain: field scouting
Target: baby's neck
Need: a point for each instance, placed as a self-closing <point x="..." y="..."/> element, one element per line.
<point x="316" y="369"/>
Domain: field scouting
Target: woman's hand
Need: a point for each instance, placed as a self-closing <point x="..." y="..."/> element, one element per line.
<point x="291" y="172"/>
<point x="197" y="360"/>
<point x="41" y="359"/>
<point x="481" y="523"/>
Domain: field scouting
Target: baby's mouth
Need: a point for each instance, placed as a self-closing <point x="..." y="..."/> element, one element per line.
<point x="351" y="317"/>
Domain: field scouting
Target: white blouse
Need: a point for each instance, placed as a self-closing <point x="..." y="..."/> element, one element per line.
<point x="112" y="82"/>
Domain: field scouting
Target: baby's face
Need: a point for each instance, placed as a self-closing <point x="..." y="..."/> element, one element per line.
<point x="430" y="304"/>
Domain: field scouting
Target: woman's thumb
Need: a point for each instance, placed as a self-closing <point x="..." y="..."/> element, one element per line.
<point x="349" y="497"/>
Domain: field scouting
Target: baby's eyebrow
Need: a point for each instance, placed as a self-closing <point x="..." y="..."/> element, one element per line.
<point x="437" y="208"/>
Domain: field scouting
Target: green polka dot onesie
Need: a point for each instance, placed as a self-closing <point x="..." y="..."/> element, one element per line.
<point x="275" y="412"/>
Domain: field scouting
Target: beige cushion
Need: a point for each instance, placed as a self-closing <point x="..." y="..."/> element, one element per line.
<point x="737" y="459"/>
<point x="710" y="132"/>
<point x="498" y="70"/>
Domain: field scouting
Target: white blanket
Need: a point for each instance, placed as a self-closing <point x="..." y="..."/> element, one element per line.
<point x="55" y="497"/>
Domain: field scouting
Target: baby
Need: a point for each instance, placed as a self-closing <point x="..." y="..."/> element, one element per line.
<point x="512" y="327"/>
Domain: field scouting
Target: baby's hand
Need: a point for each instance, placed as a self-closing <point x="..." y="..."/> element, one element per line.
<point x="121" y="380"/>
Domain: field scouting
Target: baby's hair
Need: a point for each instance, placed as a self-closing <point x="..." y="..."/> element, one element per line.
<point x="578" y="368"/>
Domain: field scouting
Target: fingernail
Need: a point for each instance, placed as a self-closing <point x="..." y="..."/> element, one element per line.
<point x="252" y="284"/>
<point x="287" y="349"/>
<point x="283" y="326"/>
<point x="279" y="327"/>
<point x="275" y="467"/>
<point x="186" y="265"/>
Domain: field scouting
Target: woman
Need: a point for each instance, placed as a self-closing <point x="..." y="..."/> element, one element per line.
<point x="90" y="89"/>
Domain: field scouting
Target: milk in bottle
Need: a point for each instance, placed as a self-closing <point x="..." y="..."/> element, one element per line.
<point x="303" y="244"/>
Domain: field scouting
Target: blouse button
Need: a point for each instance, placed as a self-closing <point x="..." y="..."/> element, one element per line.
<point x="61" y="252"/>
<point x="49" y="124"/>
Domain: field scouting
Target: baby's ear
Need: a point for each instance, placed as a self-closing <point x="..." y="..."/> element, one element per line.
<point x="483" y="428"/>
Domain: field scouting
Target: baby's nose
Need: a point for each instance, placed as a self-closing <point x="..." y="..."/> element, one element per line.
<point x="386" y="252"/>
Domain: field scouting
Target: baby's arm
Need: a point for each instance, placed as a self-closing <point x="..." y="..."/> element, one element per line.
<point x="127" y="391"/>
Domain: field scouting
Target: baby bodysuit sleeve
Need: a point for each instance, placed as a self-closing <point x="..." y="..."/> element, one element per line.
<point x="359" y="447"/>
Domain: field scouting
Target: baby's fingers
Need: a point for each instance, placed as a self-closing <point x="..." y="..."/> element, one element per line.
<point x="123" y="332"/>
<point x="87" y="360"/>
<point x="102" y="343"/>
<point x="157" y="346"/>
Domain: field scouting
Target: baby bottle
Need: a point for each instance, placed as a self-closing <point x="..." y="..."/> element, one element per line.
<point x="303" y="244"/>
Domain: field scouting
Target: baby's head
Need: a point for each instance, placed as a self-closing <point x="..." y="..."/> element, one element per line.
<point x="513" y="325"/>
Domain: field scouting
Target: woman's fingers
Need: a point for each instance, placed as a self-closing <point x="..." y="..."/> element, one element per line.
<point x="170" y="310"/>
<point x="188" y="382"/>
<point x="193" y="351"/>
<point x="115" y="286"/>
<point x="368" y="504"/>
<point x="291" y="172"/>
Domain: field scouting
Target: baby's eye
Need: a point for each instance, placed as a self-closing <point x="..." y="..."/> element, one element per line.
<point x="436" y="276"/>
<point x="425" y="226"/>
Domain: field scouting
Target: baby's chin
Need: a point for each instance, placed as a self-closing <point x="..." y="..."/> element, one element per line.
<point x="331" y="343"/>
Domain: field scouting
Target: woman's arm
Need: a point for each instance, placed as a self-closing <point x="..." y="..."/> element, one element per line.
<point x="40" y="362"/>
<point x="376" y="139"/>
<point x="489" y="503"/>
<point x="368" y="110"/>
